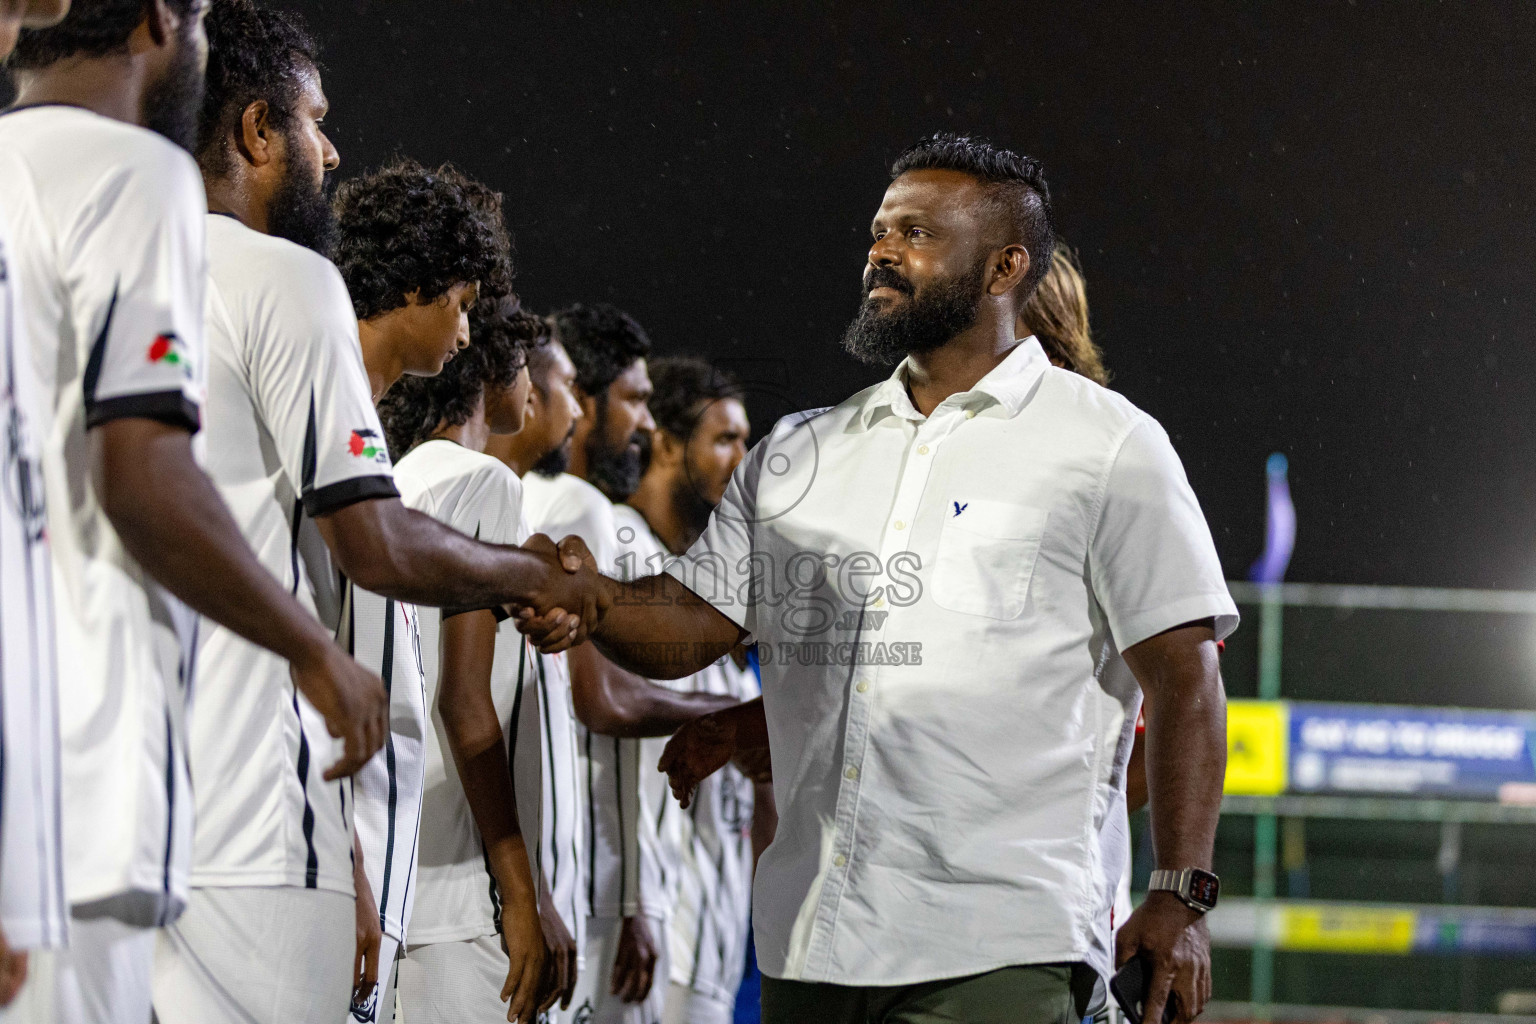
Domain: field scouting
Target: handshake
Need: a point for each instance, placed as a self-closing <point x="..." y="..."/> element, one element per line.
<point x="567" y="599"/>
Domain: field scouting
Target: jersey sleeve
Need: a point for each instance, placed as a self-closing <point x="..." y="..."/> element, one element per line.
<point x="308" y="380"/>
<point x="137" y="267"/>
<point x="1152" y="563"/>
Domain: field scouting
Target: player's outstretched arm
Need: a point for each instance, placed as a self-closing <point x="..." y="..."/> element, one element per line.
<point x="473" y="731"/>
<point x="173" y="522"/>
<point x="654" y="626"/>
<point x="1186" y="757"/>
<point x="613" y="702"/>
<point x="397" y="552"/>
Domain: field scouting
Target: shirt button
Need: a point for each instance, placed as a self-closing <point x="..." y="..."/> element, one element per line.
<point x="839" y="860"/>
<point x="852" y="773"/>
<point x="863" y="687"/>
<point x="922" y="449"/>
<point x="900" y="525"/>
<point x="970" y="414"/>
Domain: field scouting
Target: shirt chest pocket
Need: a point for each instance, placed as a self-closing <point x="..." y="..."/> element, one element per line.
<point x="987" y="552"/>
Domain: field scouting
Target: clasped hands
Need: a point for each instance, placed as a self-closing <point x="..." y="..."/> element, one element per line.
<point x="570" y="598"/>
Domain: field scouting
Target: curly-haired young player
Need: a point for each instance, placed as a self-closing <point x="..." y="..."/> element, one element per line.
<point x="108" y="236"/>
<point x="297" y="451"/>
<point x="418" y="247"/>
<point x="476" y="935"/>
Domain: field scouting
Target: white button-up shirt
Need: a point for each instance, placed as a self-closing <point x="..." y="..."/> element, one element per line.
<point x="935" y="599"/>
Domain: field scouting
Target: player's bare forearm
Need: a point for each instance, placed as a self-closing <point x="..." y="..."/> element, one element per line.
<point x="1186" y="741"/>
<point x="475" y="740"/>
<point x="395" y="551"/>
<point x="174" y="523"/>
<point x="613" y="702"/>
<point x="658" y="628"/>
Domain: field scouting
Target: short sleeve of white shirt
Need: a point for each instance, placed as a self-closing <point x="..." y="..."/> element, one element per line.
<point x="1152" y="563"/>
<point x="719" y="566"/>
<point x="137" y="279"/>
<point x="307" y="374"/>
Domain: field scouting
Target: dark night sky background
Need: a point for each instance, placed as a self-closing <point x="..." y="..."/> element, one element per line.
<point x="1305" y="227"/>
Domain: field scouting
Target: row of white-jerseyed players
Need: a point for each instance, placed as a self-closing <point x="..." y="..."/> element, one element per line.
<point x="114" y="269"/>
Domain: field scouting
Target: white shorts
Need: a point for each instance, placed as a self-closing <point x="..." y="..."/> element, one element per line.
<point x="594" y="985"/>
<point x="102" y="978"/>
<point x="685" y="1006"/>
<point x="454" y="982"/>
<point x="249" y="955"/>
<point x="380" y="1005"/>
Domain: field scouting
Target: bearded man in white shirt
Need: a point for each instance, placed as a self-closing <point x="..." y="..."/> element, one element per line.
<point x="935" y="572"/>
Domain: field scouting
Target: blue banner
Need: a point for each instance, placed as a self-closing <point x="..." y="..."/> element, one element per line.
<point x="1402" y="751"/>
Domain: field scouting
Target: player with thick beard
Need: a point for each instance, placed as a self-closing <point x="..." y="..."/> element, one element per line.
<point x="1051" y="521"/>
<point x="298" y="453"/>
<point x="109" y="248"/>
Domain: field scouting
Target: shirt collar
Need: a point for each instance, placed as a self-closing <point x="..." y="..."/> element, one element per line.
<point x="1007" y="385"/>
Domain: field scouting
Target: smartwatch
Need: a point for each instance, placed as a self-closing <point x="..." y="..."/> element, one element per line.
<point x="1196" y="887"/>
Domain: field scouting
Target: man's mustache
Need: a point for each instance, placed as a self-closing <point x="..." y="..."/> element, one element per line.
<point x="885" y="277"/>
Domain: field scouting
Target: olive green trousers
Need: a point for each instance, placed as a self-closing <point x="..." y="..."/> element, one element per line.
<point x="1037" y="994"/>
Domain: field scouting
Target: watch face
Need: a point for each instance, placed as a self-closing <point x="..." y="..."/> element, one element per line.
<point x="1203" y="888"/>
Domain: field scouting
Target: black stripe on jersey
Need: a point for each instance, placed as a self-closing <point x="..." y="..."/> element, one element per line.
<point x="554" y="790"/>
<point x="387" y="673"/>
<point x="495" y="893"/>
<point x="92" y="376"/>
<point x="170" y="815"/>
<point x="322" y="501"/>
<point x="591" y="832"/>
<point x="173" y="408"/>
<point x="618" y="793"/>
<point x="307" y="467"/>
<point x="312" y="859"/>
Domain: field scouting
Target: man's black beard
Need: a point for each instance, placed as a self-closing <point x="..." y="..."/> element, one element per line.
<point x="172" y="105"/>
<point x="614" y="472"/>
<point x="690" y="506"/>
<point x="299" y="211"/>
<point x="926" y="321"/>
<point x="554" y="462"/>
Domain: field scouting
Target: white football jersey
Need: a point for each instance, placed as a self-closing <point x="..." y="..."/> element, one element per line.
<point x="384" y="634"/>
<point x="32" y="907"/>
<point x="108" y="246"/>
<point x="292" y="434"/>
<point x="457" y="899"/>
<point x="712" y="911"/>
<point x="662" y="828"/>
<point x="562" y="851"/>
<point x="610" y="767"/>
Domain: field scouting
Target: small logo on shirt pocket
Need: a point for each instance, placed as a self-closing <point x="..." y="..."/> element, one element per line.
<point x="961" y="508"/>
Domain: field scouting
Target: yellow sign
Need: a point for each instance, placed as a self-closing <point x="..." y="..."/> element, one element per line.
<point x="1257" y="734"/>
<point x="1324" y="929"/>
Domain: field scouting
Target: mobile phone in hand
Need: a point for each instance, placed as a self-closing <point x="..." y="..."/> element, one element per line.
<point x="1129" y="987"/>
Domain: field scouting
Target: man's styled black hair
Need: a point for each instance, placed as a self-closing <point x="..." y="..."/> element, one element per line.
<point x="93" y="28"/>
<point x="416" y="406"/>
<point x="254" y="53"/>
<point x="407" y="228"/>
<point x="685" y="388"/>
<point x="1016" y="185"/>
<point x="602" y="340"/>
